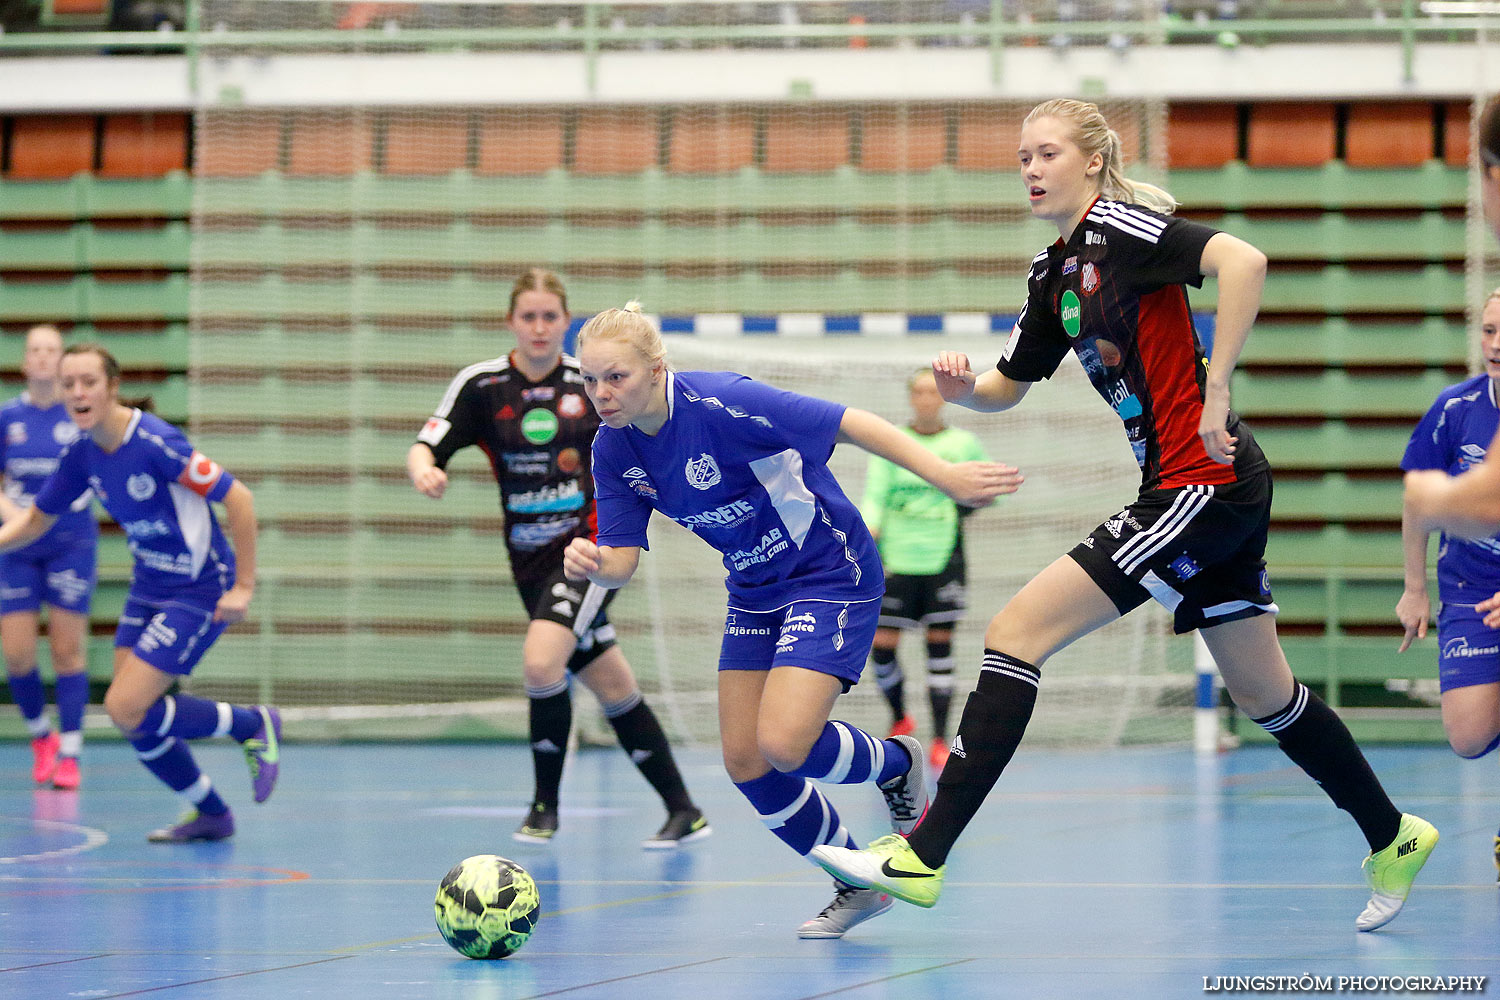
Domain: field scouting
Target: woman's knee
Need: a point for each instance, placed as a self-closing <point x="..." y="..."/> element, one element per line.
<point x="124" y="711"/>
<point x="783" y="750"/>
<point x="1472" y="741"/>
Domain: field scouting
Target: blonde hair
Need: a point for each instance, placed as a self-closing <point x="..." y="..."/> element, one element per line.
<point x="45" y="328"/>
<point x="537" y="279"/>
<point x="1092" y="134"/>
<point x="628" y="324"/>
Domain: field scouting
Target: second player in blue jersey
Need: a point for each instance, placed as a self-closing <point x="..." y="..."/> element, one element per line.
<point x="57" y="570"/>
<point x="745" y="467"/>
<point x="187" y="586"/>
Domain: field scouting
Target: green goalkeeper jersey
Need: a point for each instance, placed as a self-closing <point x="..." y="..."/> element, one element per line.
<point x="914" y="523"/>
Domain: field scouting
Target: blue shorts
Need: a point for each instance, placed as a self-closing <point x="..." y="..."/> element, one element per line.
<point x="60" y="571"/>
<point x="1468" y="650"/>
<point x="170" y="635"/>
<point x="831" y="637"/>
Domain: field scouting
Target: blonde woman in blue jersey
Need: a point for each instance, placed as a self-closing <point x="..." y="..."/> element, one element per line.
<point x="187" y="586"/>
<point x="58" y="570"/>
<point x="920" y="534"/>
<point x="745" y="467"/>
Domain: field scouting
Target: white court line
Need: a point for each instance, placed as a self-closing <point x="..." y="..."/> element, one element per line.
<point x="92" y="838"/>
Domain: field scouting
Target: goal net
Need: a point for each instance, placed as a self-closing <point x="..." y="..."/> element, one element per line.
<point x="370" y="180"/>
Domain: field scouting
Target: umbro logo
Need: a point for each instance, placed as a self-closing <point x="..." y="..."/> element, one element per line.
<point x="957" y="749"/>
<point x="1406" y="848"/>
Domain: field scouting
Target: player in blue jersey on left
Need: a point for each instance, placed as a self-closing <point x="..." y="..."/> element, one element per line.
<point x="1452" y="438"/>
<point x="188" y="584"/>
<point x="745" y="467"/>
<point x="57" y="570"/>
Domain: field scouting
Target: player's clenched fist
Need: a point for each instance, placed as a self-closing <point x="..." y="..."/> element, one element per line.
<point x="580" y="558"/>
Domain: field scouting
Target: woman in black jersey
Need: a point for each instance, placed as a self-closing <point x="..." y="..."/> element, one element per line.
<point x="1112" y="290"/>
<point x="528" y="412"/>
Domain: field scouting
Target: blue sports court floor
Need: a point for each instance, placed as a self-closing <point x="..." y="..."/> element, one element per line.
<point x="1130" y="873"/>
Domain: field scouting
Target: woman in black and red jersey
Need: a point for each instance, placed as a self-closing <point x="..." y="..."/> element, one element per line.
<point x="527" y="411"/>
<point x="1112" y="290"/>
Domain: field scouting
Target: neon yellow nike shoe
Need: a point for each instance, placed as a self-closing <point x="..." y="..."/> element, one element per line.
<point x="1392" y="870"/>
<point x="888" y="864"/>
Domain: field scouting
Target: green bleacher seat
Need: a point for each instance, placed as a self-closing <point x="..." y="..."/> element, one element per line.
<point x="1335" y="392"/>
<point x="1335" y="340"/>
<point x="1333" y="236"/>
<point x="86" y="247"/>
<point x="1335" y="496"/>
<point x="1331" y="548"/>
<point x="84" y="196"/>
<point x="1431" y="289"/>
<point x="89" y="299"/>
<point x="1333" y="444"/>
<point x="1236" y="187"/>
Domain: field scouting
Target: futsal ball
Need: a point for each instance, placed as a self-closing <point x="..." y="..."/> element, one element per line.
<point x="486" y="906"/>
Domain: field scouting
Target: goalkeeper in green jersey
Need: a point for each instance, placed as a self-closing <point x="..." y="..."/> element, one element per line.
<point x="920" y="535"/>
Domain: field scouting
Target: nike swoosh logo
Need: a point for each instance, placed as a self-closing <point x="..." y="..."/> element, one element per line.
<point x="886" y="869"/>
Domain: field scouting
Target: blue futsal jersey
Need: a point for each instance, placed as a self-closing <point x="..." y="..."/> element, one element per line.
<point x="31" y="440"/>
<point x="1453" y="437"/>
<point x="745" y="467"/>
<point x="158" y="489"/>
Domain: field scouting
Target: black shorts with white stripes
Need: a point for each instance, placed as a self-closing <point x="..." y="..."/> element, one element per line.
<point x="578" y="606"/>
<point x="1198" y="550"/>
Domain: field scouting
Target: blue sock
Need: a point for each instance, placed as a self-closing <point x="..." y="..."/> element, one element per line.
<point x="170" y="760"/>
<point x="794" y="810"/>
<point x="26" y="691"/>
<point x="847" y="755"/>
<point x="72" y="696"/>
<point x="191" y="718"/>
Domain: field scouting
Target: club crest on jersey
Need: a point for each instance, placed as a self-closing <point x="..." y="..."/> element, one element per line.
<point x="703" y="472"/>
<point x="140" y="486"/>
<point x="570" y="406"/>
<point x="15" y="432"/>
<point x="1088" y="278"/>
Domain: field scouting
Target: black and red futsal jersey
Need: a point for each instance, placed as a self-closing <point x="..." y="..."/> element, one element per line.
<point x="1114" y="295"/>
<point x="538" y="437"/>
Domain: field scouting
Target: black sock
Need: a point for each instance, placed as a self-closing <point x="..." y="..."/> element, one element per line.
<point x="993" y="722"/>
<point x="551" y="714"/>
<point x="891" y="680"/>
<point x="641" y="735"/>
<point x="940" y="684"/>
<point x="1316" y="740"/>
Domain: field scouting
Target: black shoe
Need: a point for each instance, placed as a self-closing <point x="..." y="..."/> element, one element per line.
<point x="682" y="827"/>
<point x="538" y="826"/>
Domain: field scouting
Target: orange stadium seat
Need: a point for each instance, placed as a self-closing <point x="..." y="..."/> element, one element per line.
<point x="806" y="140"/>
<point x="329" y="143"/>
<point x="1456" y="134"/>
<point x="520" y="141"/>
<point x="1291" y="134"/>
<point x="146" y="145"/>
<point x="421" y="142"/>
<point x="79" y="9"/>
<point x="1202" y="135"/>
<point x="710" y="141"/>
<point x="616" y="141"/>
<point x="1389" y="134"/>
<point x="238" y="145"/>
<point x="904" y="139"/>
<point x="987" y="139"/>
<point x="44" y="147"/>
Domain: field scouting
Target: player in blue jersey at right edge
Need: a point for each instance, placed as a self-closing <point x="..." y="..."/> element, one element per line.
<point x="1113" y="290"/>
<point x="57" y="569"/>
<point x="188" y="585"/>
<point x="1453" y="437"/>
<point x="745" y="467"/>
